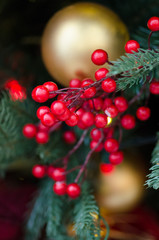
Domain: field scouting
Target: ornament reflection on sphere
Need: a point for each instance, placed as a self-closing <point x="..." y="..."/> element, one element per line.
<point x="73" y="33"/>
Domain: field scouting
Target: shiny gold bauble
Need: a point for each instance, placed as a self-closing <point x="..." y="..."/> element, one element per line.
<point x="123" y="188"/>
<point x="73" y="33"/>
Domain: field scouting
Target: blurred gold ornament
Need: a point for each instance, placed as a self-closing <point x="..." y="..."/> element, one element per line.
<point x="123" y="188"/>
<point x="73" y="33"/>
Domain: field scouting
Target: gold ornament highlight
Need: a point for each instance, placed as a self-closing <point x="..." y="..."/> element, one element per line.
<point x="73" y="33"/>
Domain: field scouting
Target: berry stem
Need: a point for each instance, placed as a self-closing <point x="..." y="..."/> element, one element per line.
<point x="87" y="159"/>
<point x="110" y="63"/>
<point x="73" y="169"/>
<point x="135" y="98"/>
<point x="149" y="37"/>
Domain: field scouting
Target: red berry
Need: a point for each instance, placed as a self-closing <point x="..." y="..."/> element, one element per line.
<point x="81" y="125"/>
<point x="42" y="137"/>
<point x="143" y="113"/>
<point x="59" y="174"/>
<point x="58" y="107"/>
<point x="153" y="24"/>
<point x="101" y="73"/>
<point x="154" y="88"/>
<point x="107" y="102"/>
<point x="116" y="157"/>
<point x="88" y="119"/>
<point x="80" y="112"/>
<point x="111" y="145"/>
<point x="42" y="110"/>
<point x="60" y="188"/>
<point x="75" y="83"/>
<point x="128" y="121"/>
<point x="121" y="104"/>
<point x="73" y="120"/>
<point x="109" y="85"/>
<point x="65" y="116"/>
<point x="131" y="46"/>
<point x="73" y="190"/>
<point x="100" y="120"/>
<point x="69" y="137"/>
<point x="40" y="94"/>
<point x="29" y="130"/>
<point x="96" y="103"/>
<point x="38" y="171"/>
<point x="93" y="144"/>
<point x="41" y="127"/>
<point x="90" y="92"/>
<point x="110" y="132"/>
<point x="86" y="82"/>
<point x="106" y="168"/>
<point x="51" y="86"/>
<point x="48" y="119"/>
<point x="111" y="111"/>
<point x="99" y="57"/>
<point x="50" y="171"/>
<point x="96" y="134"/>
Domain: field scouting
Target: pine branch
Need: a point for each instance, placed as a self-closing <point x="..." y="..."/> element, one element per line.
<point x="153" y="177"/>
<point x="85" y="212"/>
<point x="134" y="68"/>
<point x="12" y="118"/>
<point x="47" y="211"/>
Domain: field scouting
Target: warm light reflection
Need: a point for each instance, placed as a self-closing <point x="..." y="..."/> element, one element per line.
<point x="17" y="92"/>
<point x="109" y="120"/>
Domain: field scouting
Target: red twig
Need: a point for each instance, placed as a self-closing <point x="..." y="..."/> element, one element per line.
<point x="149" y="40"/>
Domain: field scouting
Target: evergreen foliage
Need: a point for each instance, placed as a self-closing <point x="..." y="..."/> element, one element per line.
<point x="153" y="177"/>
<point x="133" y="69"/>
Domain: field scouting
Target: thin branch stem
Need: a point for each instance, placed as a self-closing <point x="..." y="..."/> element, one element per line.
<point x="149" y="40"/>
<point x="87" y="160"/>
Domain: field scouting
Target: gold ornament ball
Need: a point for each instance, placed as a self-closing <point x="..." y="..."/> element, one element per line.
<point x="123" y="188"/>
<point x="73" y="33"/>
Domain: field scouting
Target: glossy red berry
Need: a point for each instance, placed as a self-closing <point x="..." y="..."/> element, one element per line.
<point x="131" y="46"/>
<point x="69" y="137"/>
<point x="99" y="57"/>
<point x="73" y="190"/>
<point x="101" y="73"/>
<point x="29" y="130"/>
<point x="111" y="111"/>
<point x="48" y="119"/>
<point x="65" y="116"/>
<point x="100" y="120"/>
<point x="40" y="94"/>
<point x="93" y="144"/>
<point x="50" y="171"/>
<point x="111" y="145"/>
<point x="80" y="112"/>
<point x="88" y="119"/>
<point x="72" y="121"/>
<point x="110" y="132"/>
<point x="128" y="121"/>
<point x="96" y="134"/>
<point x="116" y="158"/>
<point x="109" y="85"/>
<point x="154" y="88"/>
<point x="51" y="86"/>
<point x="42" y="137"/>
<point x="38" y="171"/>
<point x="75" y="83"/>
<point x="60" y="188"/>
<point x="86" y="82"/>
<point x="153" y="24"/>
<point x="58" y="107"/>
<point x="96" y="103"/>
<point x="81" y="125"/>
<point x="107" y="102"/>
<point x="143" y="113"/>
<point x="42" y="110"/>
<point x="106" y="168"/>
<point x="41" y="127"/>
<point x="59" y="174"/>
<point x="121" y="104"/>
<point x="90" y="92"/>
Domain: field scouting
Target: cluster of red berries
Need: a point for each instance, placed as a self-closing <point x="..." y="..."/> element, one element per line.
<point x="89" y="105"/>
<point x="59" y="176"/>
